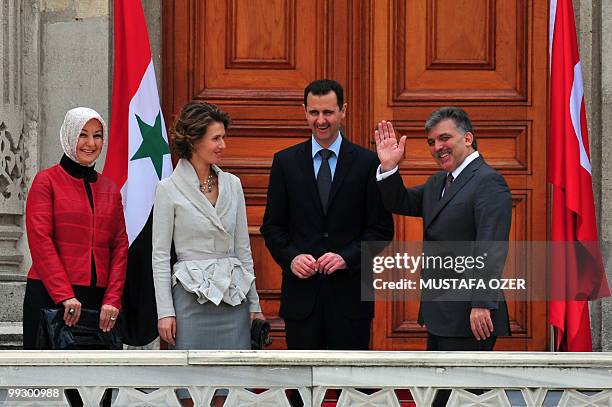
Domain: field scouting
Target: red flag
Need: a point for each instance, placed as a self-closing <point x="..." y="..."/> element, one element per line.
<point x="577" y="270"/>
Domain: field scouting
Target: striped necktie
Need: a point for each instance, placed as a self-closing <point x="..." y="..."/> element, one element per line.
<point x="447" y="184"/>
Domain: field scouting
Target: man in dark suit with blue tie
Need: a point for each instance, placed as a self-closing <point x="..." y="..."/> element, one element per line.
<point x="322" y="204"/>
<point x="467" y="201"/>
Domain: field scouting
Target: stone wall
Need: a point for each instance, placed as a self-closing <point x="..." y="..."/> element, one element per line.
<point x="74" y="64"/>
<point x="604" y="98"/>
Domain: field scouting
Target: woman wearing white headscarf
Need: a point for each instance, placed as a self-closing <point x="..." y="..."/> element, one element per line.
<point x="76" y="232"/>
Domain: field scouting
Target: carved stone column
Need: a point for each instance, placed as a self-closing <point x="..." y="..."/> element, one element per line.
<point x="18" y="133"/>
<point x="12" y="187"/>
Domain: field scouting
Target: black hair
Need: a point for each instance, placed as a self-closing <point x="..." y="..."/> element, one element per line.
<point x="457" y="115"/>
<point x="322" y="87"/>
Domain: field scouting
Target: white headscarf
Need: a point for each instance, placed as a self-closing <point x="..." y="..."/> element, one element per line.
<point x="71" y="129"/>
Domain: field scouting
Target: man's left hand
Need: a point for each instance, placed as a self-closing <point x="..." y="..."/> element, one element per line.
<point x="481" y="324"/>
<point x="330" y="262"/>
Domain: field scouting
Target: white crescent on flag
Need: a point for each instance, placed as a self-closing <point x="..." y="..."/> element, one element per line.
<point x="575" y="105"/>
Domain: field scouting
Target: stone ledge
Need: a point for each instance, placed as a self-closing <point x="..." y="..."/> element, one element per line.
<point x="10" y="232"/>
<point x="312" y="358"/>
<point x="11" y="336"/>
<point x="12" y="277"/>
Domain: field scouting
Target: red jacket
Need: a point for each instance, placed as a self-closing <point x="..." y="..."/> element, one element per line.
<point x="63" y="232"/>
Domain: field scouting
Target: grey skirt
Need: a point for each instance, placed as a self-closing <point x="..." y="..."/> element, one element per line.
<point x="209" y="326"/>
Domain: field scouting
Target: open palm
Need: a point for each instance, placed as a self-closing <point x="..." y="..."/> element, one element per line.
<point x="390" y="151"/>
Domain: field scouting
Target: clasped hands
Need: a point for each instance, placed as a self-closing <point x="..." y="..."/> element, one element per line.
<point x="304" y="265"/>
<point x="72" y="314"/>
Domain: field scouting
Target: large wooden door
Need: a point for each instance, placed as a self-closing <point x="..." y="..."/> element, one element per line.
<point x="397" y="60"/>
<point x="489" y="57"/>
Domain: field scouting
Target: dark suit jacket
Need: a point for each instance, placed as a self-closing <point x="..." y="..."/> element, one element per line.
<point x="477" y="207"/>
<point x="294" y="223"/>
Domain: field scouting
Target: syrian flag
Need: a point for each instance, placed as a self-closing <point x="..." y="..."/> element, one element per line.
<point x="138" y="158"/>
<point x="577" y="271"/>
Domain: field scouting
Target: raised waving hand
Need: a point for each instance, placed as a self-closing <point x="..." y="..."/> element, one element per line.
<point x="390" y="151"/>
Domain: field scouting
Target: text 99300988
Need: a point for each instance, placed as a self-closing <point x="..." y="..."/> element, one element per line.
<point x="41" y="394"/>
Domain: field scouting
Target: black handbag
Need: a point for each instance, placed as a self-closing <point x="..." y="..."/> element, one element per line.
<point x="85" y="334"/>
<point x="260" y="334"/>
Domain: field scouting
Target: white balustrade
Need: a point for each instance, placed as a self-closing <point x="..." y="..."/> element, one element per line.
<point x="150" y="378"/>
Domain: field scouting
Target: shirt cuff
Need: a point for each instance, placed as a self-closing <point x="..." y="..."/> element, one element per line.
<point x="380" y="176"/>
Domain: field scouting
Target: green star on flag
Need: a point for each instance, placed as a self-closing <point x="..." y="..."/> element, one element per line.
<point x="153" y="144"/>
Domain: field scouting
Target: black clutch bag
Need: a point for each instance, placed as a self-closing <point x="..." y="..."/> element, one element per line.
<point x="260" y="334"/>
<point x="86" y="334"/>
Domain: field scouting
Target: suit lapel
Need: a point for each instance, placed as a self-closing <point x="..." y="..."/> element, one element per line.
<point x="304" y="159"/>
<point x="224" y="200"/>
<point x="186" y="181"/>
<point x="466" y="175"/>
<point x="343" y="165"/>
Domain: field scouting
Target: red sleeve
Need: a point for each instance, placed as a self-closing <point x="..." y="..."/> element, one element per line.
<point x="118" y="262"/>
<point x="39" y="227"/>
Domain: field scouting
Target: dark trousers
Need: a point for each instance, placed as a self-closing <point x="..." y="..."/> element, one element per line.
<point x="468" y="344"/>
<point x="327" y="328"/>
<point x="449" y="343"/>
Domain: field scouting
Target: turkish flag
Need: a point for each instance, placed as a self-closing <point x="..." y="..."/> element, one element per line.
<point x="577" y="273"/>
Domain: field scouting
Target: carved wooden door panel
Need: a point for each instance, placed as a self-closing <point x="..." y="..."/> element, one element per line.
<point x="253" y="58"/>
<point x="397" y="60"/>
<point x="488" y="57"/>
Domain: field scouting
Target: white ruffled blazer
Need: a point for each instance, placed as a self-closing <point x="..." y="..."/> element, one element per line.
<point x="211" y="242"/>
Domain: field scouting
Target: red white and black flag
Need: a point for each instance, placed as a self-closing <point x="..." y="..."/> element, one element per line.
<point x="577" y="270"/>
<point x="138" y="158"/>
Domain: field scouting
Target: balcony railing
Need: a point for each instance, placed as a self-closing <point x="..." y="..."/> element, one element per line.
<point x="151" y="378"/>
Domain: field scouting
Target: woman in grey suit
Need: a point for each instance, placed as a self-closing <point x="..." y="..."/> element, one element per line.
<point x="208" y="298"/>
